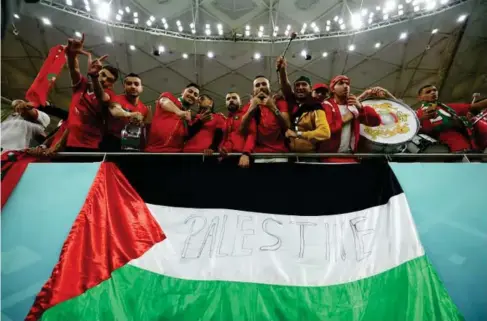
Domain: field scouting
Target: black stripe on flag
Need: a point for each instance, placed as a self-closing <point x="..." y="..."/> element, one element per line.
<point x="292" y="189"/>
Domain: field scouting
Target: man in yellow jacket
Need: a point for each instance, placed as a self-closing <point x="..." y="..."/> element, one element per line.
<point x="309" y="125"/>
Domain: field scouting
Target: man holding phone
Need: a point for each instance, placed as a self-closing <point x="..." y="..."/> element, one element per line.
<point x="272" y="118"/>
<point x="447" y="122"/>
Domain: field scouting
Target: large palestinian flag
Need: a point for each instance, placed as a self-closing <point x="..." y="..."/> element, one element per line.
<point x="273" y="242"/>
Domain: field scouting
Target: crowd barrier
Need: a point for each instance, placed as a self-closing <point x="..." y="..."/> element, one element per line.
<point x="440" y="157"/>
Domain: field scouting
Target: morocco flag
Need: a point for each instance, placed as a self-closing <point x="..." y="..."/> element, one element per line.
<point x="202" y="242"/>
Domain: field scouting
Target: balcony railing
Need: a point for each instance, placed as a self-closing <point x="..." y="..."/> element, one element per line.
<point x="440" y="157"/>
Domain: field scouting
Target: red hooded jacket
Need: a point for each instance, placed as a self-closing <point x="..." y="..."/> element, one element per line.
<point x="366" y="115"/>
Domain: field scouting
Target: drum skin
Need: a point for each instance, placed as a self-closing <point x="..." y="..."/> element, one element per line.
<point x="399" y="125"/>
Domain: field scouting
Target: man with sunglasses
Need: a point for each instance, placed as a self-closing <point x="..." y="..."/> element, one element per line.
<point x="85" y="119"/>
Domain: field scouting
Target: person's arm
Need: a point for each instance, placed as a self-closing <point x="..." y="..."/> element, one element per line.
<point x="194" y="128"/>
<point x="52" y="110"/>
<point x="286" y="88"/>
<point x="94" y="68"/>
<point x="478" y="106"/>
<point x="74" y="48"/>
<point x="251" y="139"/>
<point x="425" y="115"/>
<point x="149" y="115"/>
<point x="117" y="111"/>
<point x="217" y="139"/>
<point x="249" y="116"/>
<point x="280" y="111"/>
<point x="171" y="107"/>
<point x="322" y="130"/>
<point x="377" y="93"/>
<point x="249" y="146"/>
<point x="60" y="144"/>
<point x="73" y="68"/>
<point x="196" y="125"/>
<point x="369" y="116"/>
<point x="26" y="111"/>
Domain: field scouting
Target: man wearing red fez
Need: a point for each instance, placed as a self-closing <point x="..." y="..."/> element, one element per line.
<point x="345" y="113"/>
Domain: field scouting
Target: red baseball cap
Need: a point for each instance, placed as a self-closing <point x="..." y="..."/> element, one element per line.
<point x="317" y="86"/>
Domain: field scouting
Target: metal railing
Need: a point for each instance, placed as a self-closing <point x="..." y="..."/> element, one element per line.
<point x="390" y="157"/>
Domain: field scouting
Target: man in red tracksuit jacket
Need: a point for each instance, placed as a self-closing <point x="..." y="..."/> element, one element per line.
<point x="345" y="113"/>
<point x="206" y="131"/>
<point x="234" y="141"/>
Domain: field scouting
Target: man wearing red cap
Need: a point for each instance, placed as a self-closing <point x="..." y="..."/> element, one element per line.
<point x="345" y="113"/>
<point x="320" y="92"/>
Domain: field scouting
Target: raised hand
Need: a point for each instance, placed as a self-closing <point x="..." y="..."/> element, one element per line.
<point x="206" y="116"/>
<point x="353" y="101"/>
<point x="75" y="46"/>
<point x="281" y="62"/>
<point x="94" y="66"/>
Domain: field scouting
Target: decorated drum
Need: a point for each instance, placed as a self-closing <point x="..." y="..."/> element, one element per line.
<point x="399" y="124"/>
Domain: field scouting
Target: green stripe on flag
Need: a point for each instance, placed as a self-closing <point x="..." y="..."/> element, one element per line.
<point x="411" y="291"/>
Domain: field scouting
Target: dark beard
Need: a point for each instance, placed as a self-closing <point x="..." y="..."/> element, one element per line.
<point x="232" y="107"/>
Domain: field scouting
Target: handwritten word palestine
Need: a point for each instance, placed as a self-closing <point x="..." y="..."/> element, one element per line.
<point x="246" y="235"/>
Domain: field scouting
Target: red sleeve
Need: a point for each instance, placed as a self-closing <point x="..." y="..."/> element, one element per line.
<point x="250" y="139"/>
<point x="282" y="106"/>
<point x="369" y="117"/>
<point x="460" y="108"/>
<point x="171" y="97"/>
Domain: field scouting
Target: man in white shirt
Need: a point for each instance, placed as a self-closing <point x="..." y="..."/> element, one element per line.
<point x="21" y="128"/>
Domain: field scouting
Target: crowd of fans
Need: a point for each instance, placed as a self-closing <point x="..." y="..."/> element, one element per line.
<point x="300" y="118"/>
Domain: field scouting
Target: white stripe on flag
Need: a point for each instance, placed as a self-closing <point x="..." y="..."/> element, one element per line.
<point x="230" y="245"/>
